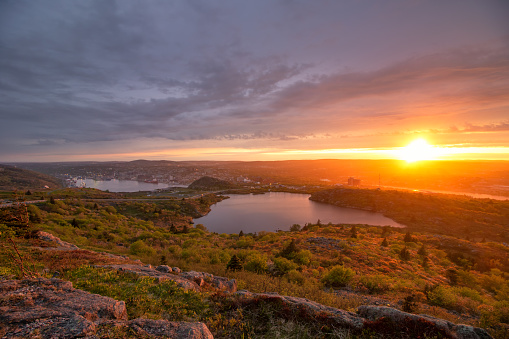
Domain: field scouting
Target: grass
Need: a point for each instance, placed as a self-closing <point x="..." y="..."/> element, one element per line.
<point x="462" y="281"/>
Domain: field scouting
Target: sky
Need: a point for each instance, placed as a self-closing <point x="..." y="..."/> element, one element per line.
<point x="252" y="80"/>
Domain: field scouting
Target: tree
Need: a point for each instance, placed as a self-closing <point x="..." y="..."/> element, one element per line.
<point x="185" y="229"/>
<point x="385" y="243"/>
<point x="173" y="229"/>
<point x="163" y="260"/>
<point x="241" y="233"/>
<point x="425" y="262"/>
<point x="404" y="254"/>
<point x="422" y="251"/>
<point x="409" y="304"/>
<point x="353" y="232"/>
<point x="295" y="228"/>
<point x="28" y="192"/>
<point x="234" y="264"/>
<point x="290" y="250"/>
<point x="408" y="237"/>
<point x="74" y="223"/>
<point x="52" y="200"/>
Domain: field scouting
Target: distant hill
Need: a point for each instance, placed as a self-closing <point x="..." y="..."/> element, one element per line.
<point x="209" y="183"/>
<point x="13" y="178"/>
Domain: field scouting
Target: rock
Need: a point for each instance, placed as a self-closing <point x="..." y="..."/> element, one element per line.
<point x="160" y="276"/>
<point x="62" y="245"/>
<point x="385" y="321"/>
<point x="176" y="270"/>
<point x="52" y="308"/>
<point x="164" y="268"/>
<point x="170" y="329"/>
<point x="202" y="278"/>
<point x="300" y="306"/>
<point x="420" y="324"/>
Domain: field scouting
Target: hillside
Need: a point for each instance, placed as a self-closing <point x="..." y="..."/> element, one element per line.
<point x="209" y="183"/>
<point x="453" y="215"/>
<point x="350" y="270"/>
<point x="13" y="178"/>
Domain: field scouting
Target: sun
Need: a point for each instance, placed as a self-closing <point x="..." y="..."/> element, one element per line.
<point x="418" y="149"/>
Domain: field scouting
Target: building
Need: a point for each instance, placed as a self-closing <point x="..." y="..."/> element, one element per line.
<point x="354" y="182"/>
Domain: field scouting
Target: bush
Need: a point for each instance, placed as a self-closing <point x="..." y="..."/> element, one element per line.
<point x="283" y="266"/>
<point x="256" y="263"/>
<point x="442" y="296"/>
<point x="375" y="283"/>
<point x="295" y="276"/>
<point x="140" y="248"/>
<point x="338" y="276"/>
<point x="303" y="257"/>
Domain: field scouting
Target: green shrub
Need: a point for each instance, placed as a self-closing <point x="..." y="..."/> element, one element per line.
<point x="375" y="283"/>
<point x="256" y="263"/>
<point x="140" y="248"/>
<point x="338" y="276"/>
<point x="303" y="257"/>
<point x="296" y="277"/>
<point x="442" y="296"/>
<point x="283" y="266"/>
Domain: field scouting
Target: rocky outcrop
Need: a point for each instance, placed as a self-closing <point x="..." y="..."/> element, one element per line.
<point x="385" y="321"/>
<point x="202" y="279"/>
<point x="61" y="245"/>
<point x="188" y="280"/>
<point x="52" y="308"/>
<point x="380" y="316"/>
<point x="148" y="271"/>
<point x="340" y="318"/>
<point x="169" y="329"/>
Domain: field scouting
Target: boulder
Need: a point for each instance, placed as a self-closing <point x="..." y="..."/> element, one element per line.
<point x="164" y="268"/>
<point x="385" y="321"/>
<point x="62" y="245"/>
<point x="202" y="278"/>
<point x="303" y="306"/>
<point x="169" y="329"/>
<point x="160" y="276"/>
<point x="380" y="316"/>
<point x="52" y="308"/>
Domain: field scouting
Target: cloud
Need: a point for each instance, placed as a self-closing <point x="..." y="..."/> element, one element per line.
<point x="106" y="71"/>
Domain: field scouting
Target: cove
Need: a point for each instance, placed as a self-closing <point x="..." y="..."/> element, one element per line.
<point x="115" y="185"/>
<point x="278" y="211"/>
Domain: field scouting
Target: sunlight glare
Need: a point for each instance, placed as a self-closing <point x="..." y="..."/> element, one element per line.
<point x="417" y="150"/>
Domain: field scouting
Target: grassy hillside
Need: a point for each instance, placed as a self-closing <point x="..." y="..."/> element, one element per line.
<point x="343" y="266"/>
<point x="13" y="178"/>
<point x="454" y="215"/>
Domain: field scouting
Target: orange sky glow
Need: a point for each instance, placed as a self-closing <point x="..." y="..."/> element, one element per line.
<point x="261" y="80"/>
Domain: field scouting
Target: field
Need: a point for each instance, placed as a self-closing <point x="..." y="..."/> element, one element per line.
<point x="454" y="274"/>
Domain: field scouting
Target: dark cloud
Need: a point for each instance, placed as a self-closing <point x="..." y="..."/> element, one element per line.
<point x="91" y="71"/>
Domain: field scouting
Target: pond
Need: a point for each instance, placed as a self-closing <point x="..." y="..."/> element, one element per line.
<point x="278" y="211"/>
<point x="115" y="185"/>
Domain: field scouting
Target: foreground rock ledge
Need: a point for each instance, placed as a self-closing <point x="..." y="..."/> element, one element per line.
<point x="52" y="308"/>
<point x="385" y="321"/>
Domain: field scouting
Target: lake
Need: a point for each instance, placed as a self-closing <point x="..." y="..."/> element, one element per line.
<point x="115" y="185"/>
<point x="278" y="211"/>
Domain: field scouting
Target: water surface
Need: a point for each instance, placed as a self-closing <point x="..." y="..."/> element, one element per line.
<point x="115" y="185"/>
<point x="278" y="211"/>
